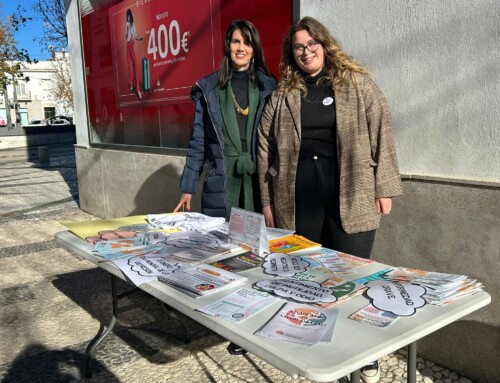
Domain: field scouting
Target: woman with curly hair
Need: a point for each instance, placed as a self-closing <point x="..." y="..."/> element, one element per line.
<point x="326" y="159"/>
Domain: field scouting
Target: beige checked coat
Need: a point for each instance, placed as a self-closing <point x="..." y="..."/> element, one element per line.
<point x="366" y="154"/>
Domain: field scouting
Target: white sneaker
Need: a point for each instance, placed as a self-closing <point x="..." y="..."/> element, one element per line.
<point x="139" y="94"/>
<point x="370" y="373"/>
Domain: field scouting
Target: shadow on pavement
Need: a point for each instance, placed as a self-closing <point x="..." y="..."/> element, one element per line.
<point x="39" y="364"/>
<point x="147" y="330"/>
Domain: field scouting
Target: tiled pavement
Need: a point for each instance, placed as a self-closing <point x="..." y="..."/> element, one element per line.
<point x="53" y="303"/>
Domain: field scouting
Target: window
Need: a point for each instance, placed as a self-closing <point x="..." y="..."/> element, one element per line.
<point x="21" y="89"/>
<point x="49" y="112"/>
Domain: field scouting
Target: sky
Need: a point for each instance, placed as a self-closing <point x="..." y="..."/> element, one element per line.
<point x="33" y="28"/>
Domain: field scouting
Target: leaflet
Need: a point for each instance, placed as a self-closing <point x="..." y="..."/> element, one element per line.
<point x="300" y="323"/>
<point x="202" y="280"/>
<point x="185" y="221"/>
<point x="292" y="242"/>
<point x="239" y="305"/>
<point x="342" y="289"/>
<point x="374" y="316"/>
<point x="354" y="261"/>
<point x="329" y="259"/>
<point x="239" y="262"/>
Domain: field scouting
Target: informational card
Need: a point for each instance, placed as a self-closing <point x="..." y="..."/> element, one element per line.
<point x="247" y="229"/>
<point x="329" y="259"/>
<point x="239" y="305"/>
<point x="194" y="240"/>
<point x="108" y="250"/>
<point x="374" y="317"/>
<point x="354" y="261"/>
<point x="377" y="276"/>
<point x="185" y="221"/>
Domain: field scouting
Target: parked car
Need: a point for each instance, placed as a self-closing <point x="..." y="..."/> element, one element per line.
<point x="60" y="121"/>
<point x="38" y="122"/>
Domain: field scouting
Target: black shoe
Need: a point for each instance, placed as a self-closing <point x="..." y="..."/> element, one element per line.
<point x="234" y="349"/>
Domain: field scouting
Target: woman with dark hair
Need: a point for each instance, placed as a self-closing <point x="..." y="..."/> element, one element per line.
<point x="133" y="71"/>
<point x="326" y="158"/>
<point x="228" y="107"/>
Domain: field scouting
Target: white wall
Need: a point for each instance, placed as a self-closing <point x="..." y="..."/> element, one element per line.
<point x="80" y="118"/>
<point x="438" y="64"/>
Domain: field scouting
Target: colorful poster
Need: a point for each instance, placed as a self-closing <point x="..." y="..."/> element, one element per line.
<point x="159" y="49"/>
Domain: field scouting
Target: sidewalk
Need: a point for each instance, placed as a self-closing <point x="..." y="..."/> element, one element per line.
<point x="53" y="303"/>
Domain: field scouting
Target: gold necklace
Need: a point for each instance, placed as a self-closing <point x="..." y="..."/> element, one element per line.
<point x="239" y="109"/>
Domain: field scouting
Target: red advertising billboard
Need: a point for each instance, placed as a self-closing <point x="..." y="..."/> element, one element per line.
<point x="160" y="48"/>
<point x="181" y="42"/>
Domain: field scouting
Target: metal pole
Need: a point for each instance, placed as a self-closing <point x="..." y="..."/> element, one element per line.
<point x="411" y="370"/>
<point x="16" y="105"/>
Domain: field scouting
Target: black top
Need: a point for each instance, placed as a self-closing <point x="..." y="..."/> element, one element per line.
<point x="239" y="84"/>
<point x="318" y="117"/>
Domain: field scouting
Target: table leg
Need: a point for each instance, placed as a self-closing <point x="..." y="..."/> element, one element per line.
<point x="91" y="347"/>
<point x="173" y="314"/>
<point x="355" y="376"/>
<point x="411" y="373"/>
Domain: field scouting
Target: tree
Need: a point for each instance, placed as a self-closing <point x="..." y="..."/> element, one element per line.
<point x="12" y="59"/>
<point x="55" y="40"/>
<point x="55" y="35"/>
<point x="61" y="87"/>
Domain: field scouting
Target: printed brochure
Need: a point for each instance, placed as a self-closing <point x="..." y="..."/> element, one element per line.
<point x="202" y="280"/>
<point x="342" y="289"/>
<point x="289" y="243"/>
<point x="301" y="323"/>
<point x="441" y="288"/>
<point x="328" y="259"/>
<point x="239" y="305"/>
<point x="374" y="316"/>
<point x="239" y="262"/>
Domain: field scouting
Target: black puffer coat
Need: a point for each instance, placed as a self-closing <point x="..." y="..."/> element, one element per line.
<point x="206" y="146"/>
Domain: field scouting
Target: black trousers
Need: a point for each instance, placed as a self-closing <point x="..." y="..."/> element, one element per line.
<point x="317" y="213"/>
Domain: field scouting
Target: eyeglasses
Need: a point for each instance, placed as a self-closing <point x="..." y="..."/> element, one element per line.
<point x="312" y="46"/>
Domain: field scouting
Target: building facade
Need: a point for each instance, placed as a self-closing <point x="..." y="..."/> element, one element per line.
<point x="35" y="99"/>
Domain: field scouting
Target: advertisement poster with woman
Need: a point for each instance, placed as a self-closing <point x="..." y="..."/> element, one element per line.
<point x="159" y="49"/>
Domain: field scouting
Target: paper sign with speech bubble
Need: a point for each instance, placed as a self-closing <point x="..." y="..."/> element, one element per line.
<point x="402" y="299"/>
<point x="299" y="291"/>
<point x="144" y="269"/>
<point x="284" y="265"/>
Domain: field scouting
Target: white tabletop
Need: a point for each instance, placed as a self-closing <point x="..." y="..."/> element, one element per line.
<point x="354" y="344"/>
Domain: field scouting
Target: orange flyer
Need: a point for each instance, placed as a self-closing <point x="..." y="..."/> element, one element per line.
<point x="290" y="243"/>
